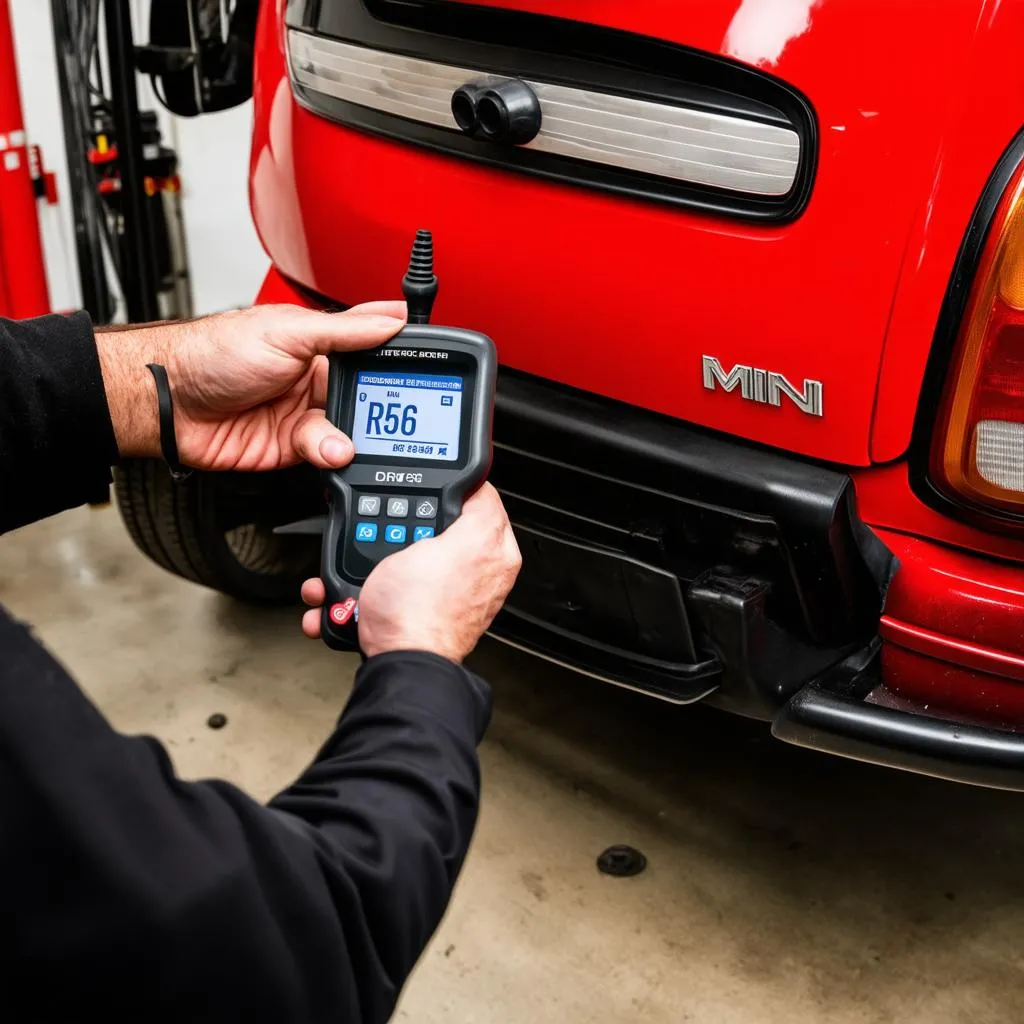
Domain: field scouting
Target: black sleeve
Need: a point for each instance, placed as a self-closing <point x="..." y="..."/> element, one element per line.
<point x="56" y="440"/>
<point x="153" y="899"/>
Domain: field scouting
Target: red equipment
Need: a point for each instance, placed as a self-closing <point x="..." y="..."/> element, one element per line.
<point x="23" y="289"/>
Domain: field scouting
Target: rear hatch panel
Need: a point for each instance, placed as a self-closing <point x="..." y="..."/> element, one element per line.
<point x="626" y="295"/>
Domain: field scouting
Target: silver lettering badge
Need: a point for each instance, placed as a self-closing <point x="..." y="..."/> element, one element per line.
<point x="763" y="386"/>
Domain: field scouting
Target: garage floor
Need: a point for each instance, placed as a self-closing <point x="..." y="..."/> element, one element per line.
<point x="783" y="886"/>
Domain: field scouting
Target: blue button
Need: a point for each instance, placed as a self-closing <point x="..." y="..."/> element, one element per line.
<point x="366" y="532"/>
<point x="422" y="533"/>
<point x="395" y="534"/>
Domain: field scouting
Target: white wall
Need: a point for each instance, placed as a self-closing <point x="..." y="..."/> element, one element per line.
<point x="226" y="261"/>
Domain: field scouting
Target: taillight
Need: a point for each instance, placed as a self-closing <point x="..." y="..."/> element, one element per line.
<point x="978" y="449"/>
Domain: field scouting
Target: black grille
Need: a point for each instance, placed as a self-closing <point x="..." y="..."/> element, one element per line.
<point x="619" y="510"/>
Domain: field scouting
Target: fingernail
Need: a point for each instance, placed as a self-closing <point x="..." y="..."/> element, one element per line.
<point x="334" y="450"/>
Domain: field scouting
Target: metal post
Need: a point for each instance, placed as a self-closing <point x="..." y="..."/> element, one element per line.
<point x="21" y="246"/>
<point x="138" y="265"/>
<point x="74" y="104"/>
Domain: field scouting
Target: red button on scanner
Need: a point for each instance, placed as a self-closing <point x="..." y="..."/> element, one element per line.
<point x="341" y="612"/>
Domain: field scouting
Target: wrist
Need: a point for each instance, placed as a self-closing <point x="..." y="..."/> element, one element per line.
<point x="131" y="391"/>
<point x="411" y="653"/>
<point x="411" y="643"/>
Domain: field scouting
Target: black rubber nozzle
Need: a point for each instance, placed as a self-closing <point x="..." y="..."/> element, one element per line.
<point x="419" y="286"/>
<point x="464" y="101"/>
<point x="509" y="112"/>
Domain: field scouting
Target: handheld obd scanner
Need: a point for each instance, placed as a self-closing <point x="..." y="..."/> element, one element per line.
<point x="418" y="410"/>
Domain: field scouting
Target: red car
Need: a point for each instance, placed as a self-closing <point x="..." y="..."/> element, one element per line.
<point x="756" y="276"/>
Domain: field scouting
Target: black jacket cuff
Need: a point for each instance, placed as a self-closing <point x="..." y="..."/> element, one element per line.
<point x="425" y="683"/>
<point x="57" y="440"/>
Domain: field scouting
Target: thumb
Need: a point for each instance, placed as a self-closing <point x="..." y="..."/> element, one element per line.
<point x="305" y="333"/>
<point x="320" y="442"/>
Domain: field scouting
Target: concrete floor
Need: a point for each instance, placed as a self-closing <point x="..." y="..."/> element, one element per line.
<point x="782" y="885"/>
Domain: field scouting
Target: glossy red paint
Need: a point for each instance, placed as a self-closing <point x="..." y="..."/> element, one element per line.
<point x="278" y="289"/>
<point x="982" y="115"/>
<point x="938" y="687"/>
<point x="945" y="648"/>
<point x="952" y="629"/>
<point x="974" y="600"/>
<point x="813" y="299"/>
<point x="885" y="499"/>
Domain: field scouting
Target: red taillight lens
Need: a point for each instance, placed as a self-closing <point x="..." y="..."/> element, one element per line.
<point x="978" y="450"/>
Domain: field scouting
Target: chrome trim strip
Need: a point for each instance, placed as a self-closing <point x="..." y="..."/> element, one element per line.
<point x="679" y="143"/>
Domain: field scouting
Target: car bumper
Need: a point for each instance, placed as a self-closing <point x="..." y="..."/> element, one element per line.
<point x="674" y="561"/>
<point x="850" y="712"/>
<point x="690" y="566"/>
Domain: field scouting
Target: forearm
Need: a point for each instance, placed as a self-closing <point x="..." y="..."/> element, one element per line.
<point x="124" y="354"/>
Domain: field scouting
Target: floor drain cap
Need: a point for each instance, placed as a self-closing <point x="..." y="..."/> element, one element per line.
<point x="621" y="861"/>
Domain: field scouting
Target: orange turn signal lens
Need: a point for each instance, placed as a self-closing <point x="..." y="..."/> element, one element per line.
<point x="978" y="449"/>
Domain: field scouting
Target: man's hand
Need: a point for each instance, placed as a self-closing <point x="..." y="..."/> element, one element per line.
<point x="249" y="386"/>
<point x="438" y="595"/>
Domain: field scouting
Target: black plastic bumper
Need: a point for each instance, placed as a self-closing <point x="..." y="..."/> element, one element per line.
<point x="676" y="561"/>
<point x="835" y="714"/>
<point x="691" y="567"/>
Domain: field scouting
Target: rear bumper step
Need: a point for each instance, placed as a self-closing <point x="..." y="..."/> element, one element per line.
<point x="835" y="714"/>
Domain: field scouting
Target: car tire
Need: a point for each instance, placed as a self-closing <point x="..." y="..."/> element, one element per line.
<point x="181" y="526"/>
